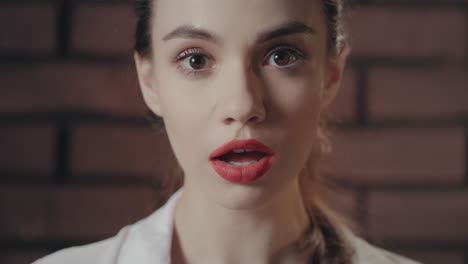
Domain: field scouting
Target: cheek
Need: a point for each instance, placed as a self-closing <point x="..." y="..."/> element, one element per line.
<point x="178" y="97"/>
<point x="183" y="119"/>
<point x="297" y="99"/>
<point x="298" y="102"/>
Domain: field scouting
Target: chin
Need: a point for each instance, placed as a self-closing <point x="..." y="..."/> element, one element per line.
<point x="243" y="197"/>
<point x="247" y="196"/>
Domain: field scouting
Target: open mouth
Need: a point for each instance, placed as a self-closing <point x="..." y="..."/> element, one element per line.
<point x="242" y="160"/>
<point x="242" y="157"/>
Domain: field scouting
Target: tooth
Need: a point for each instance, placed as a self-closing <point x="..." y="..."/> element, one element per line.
<point x="238" y="150"/>
<point x="243" y="163"/>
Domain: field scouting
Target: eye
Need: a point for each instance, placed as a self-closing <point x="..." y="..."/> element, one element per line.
<point x="193" y="60"/>
<point x="284" y="56"/>
<point x="197" y="62"/>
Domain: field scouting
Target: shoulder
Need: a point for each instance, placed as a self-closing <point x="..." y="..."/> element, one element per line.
<point x="366" y="253"/>
<point x="146" y="241"/>
<point x="101" y="252"/>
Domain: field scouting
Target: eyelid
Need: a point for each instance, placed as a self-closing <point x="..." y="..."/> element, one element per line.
<point x="189" y="52"/>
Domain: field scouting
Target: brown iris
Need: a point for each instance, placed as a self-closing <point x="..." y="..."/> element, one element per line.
<point x="283" y="58"/>
<point x="197" y="62"/>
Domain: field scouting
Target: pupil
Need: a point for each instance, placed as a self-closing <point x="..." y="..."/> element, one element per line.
<point x="281" y="58"/>
<point x="197" y="62"/>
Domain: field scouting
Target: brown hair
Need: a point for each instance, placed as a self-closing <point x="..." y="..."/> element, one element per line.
<point x="326" y="237"/>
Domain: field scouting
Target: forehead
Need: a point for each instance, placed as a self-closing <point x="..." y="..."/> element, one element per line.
<point x="235" y="19"/>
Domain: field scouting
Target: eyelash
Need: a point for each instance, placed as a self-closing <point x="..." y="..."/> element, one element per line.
<point x="189" y="52"/>
<point x="300" y="57"/>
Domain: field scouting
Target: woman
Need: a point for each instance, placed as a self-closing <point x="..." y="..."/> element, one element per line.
<point x="241" y="87"/>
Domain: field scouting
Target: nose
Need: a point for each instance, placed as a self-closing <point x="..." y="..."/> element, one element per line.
<point x="243" y="99"/>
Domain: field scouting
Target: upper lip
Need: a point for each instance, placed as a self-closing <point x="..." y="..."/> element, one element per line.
<point x="252" y="144"/>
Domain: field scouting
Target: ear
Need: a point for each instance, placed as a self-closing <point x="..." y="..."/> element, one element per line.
<point x="334" y="74"/>
<point x="144" y="68"/>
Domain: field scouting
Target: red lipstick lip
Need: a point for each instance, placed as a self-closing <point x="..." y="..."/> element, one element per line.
<point x="246" y="173"/>
<point x="252" y="144"/>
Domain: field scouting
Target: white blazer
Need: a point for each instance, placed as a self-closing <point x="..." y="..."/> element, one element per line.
<point x="148" y="242"/>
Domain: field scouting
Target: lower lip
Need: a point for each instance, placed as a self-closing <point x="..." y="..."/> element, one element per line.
<point x="243" y="174"/>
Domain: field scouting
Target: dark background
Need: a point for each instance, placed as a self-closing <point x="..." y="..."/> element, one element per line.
<point x="78" y="160"/>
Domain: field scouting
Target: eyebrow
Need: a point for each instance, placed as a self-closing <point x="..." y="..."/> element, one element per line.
<point x="192" y="32"/>
<point x="285" y="29"/>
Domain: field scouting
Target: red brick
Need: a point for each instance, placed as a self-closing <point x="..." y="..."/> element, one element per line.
<point x="399" y="156"/>
<point x="104" y="29"/>
<point x="418" y="93"/>
<point x="343" y="107"/>
<point x="120" y="150"/>
<point x="96" y="212"/>
<point x="27" y="148"/>
<point x="24" y="212"/>
<point x="27" y="28"/>
<point x="437" y="256"/>
<point x="424" y="215"/>
<point x="21" y="257"/>
<point x="71" y="212"/>
<point x="408" y="32"/>
<point x="56" y="87"/>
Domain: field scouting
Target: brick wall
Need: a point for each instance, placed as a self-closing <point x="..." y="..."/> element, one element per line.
<point x="75" y="149"/>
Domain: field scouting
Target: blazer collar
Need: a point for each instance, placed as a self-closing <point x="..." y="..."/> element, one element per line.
<point x="149" y="240"/>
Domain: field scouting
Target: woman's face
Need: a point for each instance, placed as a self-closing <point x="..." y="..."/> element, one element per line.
<point x="242" y="69"/>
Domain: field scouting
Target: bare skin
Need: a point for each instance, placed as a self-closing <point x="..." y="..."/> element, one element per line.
<point x="215" y="76"/>
<point x="238" y="236"/>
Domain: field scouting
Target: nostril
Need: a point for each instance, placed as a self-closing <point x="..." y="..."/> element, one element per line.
<point x="254" y="119"/>
<point x="254" y="115"/>
<point x="228" y="120"/>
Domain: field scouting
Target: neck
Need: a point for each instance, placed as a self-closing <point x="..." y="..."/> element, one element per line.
<point x="206" y="232"/>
